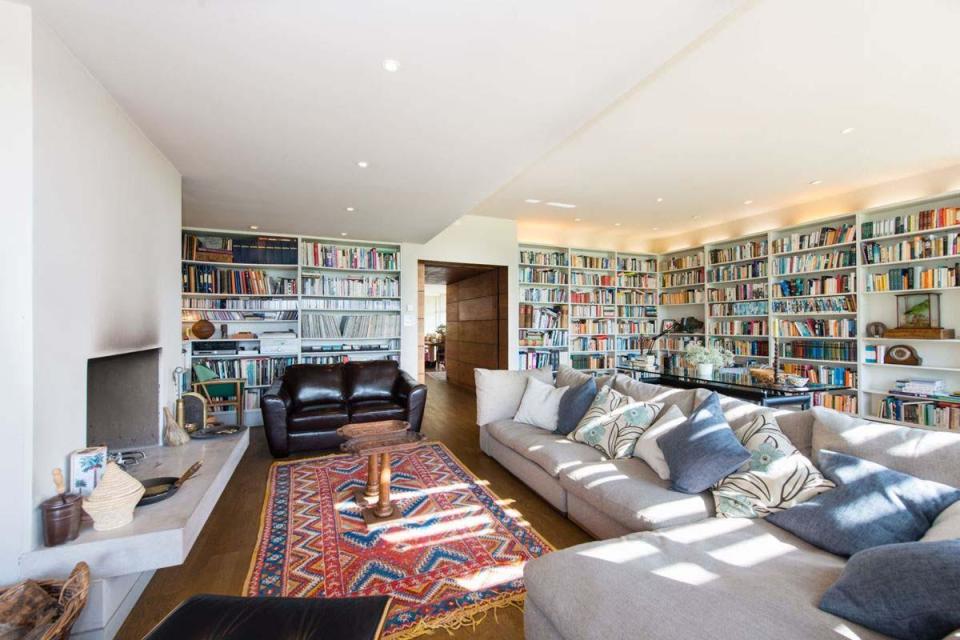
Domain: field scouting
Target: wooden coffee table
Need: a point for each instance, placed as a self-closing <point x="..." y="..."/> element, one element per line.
<point x="378" y="440"/>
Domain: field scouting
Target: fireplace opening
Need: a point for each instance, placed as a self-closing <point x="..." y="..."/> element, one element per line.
<point x="123" y="400"/>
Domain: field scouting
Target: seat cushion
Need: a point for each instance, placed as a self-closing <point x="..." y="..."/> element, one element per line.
<point x="313" y="384"/>
<point x="552" y="452"/>
<point x="373" y="410"/>
<point x="318" y="417"/>
<point x="630" y="492"/>
<point x="714" y="580"/>
<point x="370" y="380"/>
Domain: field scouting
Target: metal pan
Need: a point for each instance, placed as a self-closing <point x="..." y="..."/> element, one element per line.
<point x="152" y="496"/>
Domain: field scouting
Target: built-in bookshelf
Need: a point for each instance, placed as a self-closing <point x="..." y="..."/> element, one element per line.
<point x="737" y="298"/>
<point x="682" y="295"/>
<point x="280" y="300"/>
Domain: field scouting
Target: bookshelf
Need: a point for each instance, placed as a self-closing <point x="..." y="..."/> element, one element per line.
<point x="593" y="310"/>
<point x="544" y="326"/>
<point x="682" y="294"/>
<point x="636" y="297"/>
<point x="303" y="299"/>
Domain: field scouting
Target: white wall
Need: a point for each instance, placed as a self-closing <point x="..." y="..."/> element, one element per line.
<point x="471" y="240"/>
<point x="107" y="234"/>
<point x="16" y="285"/>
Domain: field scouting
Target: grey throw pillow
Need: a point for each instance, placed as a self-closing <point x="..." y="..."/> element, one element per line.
<point x="871" y="506"/>
<point x="908" y="590"/>
<point x="574" y="404"/>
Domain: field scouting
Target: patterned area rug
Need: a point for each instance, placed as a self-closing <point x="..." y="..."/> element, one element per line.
<point x="457" y="553"/>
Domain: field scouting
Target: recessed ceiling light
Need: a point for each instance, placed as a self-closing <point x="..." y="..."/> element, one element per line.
<point x="343" y="233"/>
<point x="391" y="65"/>
<point x="254" y="227"/>
<point x="363" y="164"/>
<point x="659" y="199"/>
<point x="696" y="217"/>
<point x="816" y="181"/>
<point x="351" y="209"/>
<point x="562" y="205"/>
<point x="656" y="228"/>
<point x="847" y="130"/>
<point x="748" y="202"/>
<point x="532" y="201"/>
<point x="616" y="224"/>
<point x="576" y="219"/>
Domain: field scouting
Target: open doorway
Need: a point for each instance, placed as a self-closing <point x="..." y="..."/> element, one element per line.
<point x="462" y="311"/>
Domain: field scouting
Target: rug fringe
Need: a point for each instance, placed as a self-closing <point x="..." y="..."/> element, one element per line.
<point x="465" y="617"/>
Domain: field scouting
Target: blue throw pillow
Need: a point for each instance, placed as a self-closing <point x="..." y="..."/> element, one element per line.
<point x="702" y="450"/>
<point x="872" y="505"/>
<point x="574" y="404"/>
<point x="907" y="591"/>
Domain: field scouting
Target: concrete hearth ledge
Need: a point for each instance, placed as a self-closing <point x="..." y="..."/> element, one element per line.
<point x="162" y="534"/>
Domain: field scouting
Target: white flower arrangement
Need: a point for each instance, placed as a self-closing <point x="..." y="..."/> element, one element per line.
<point x="696" y="353"/>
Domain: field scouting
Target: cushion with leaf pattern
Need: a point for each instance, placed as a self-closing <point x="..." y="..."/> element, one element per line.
<point x="776" y="477"/>
<point x="613" y="423"/>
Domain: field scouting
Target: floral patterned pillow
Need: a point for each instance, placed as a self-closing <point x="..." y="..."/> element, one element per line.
<point x="613" y="423"/>
<point x="776" y="477"/>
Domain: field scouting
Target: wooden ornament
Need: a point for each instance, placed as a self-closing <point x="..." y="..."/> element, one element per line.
<point x="173" y="434"/>
<point x="202" y="329"/>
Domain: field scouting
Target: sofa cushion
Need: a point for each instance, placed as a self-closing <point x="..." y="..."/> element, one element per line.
<point x="647" y="448"/>
<point x="540" y="404"/>
<point x="551" y="452"/>
<point x="922" y="453"/>
<point x="716" y="580"/>
<point x="907" y="591"/>
<point x="630" y="492"/>
<point x="613" y="423"/>
<point x="569" y="377"/>
<point x="871" y="506"/>
<point x="574" y="404"/>
<point x="310" y="384"/>
<point x="374" y="410"/>
<point x="318" y="417"/>
<point x="946" y="526"/>
<point x="499" y="392"/>
<point x="370" y="379"/>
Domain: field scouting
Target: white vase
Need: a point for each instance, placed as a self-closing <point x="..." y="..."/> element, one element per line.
<point x="704" y="370"/>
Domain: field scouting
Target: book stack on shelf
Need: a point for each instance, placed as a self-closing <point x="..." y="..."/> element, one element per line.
<point x="922" y="402"/>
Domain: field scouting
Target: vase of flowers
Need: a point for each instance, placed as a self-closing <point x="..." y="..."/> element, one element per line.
<point x="707" y="358"/>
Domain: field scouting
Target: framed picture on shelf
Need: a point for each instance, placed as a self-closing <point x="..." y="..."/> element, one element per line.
<point x="918" y="311"/>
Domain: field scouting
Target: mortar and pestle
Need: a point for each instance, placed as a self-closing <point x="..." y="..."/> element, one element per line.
<point x="61" y="514"/>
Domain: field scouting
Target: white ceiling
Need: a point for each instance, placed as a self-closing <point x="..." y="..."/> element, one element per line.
<point x="265" y="106"/>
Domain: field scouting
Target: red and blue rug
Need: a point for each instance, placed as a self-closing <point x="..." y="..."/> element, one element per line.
<point x="458" y="552"/>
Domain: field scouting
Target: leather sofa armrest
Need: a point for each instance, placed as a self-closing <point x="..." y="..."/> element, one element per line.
<point x="275" y="404"/>
<point x="413" y="396"/>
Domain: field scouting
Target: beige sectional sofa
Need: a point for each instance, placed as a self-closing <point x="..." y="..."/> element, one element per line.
<point x="664" y="566"/>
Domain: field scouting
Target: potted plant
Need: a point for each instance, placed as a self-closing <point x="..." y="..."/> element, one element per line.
<point x="706" y="358"/>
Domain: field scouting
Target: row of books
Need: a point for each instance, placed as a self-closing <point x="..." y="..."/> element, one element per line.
<point x="256" y="371"/>
<point x="318" y="254"/>
<point x="532" y="317"/>
<point x="591" y="326"/>
<point x="594" y="361"/>
<point x="682" y="278"/>
<point x="546" y="294"/>
<point x="592" y="279"/>
<point x="916" y="248"/>
<point x="636" y="297"/>
<point x="678" y="342"/>
<point x="741" y="271"/>
<point x="738" y="308"/>
<point x="638" y="280"/>
<point x="599" y="296"/>
<point x="834" y="304"/>
<point x="740" y="292"/>
<point x="915" y="278"/>
<point x="316" y="325"/>
<point x="747" y="250"/>
<point x="645" y="327"/>
<point x="818" y="328"/>
<point x="633" y="263"/>
<point x="689" y="261"/>
<point x="928" y="413"/>
<point x="690" y="296"/>
<point x="355" y="348"/>
<point x="589" y="262"/>
<point x="539" y="359"/>
<point x="246" y="303"/>
<point x="351" y="286"/>
<point x="592" y="311"/>
<point x="824" y="285"/>
<point x="820" y="350"/>
<point x="739" y="327"/>
<point x="223" y="315"/>
<point x="807" y="262"/>
<point x="824" y="237"/>
<point x="210" y="279"/>
<point x="337" y="304"/>
<point x="544" y="258"/>
<point x="921" y="221"/>
<point x="531" y="275"/>
<point x="874" y="353"/>
<point x="243" y="249"/>
<point x="530" y="338"/>
<point x="846" y="402"/>
<point x="819" y="374"/>
<point x="758" y="348"/>
<point x="338" y="359"/>
<point x="630" y="343"/>
<point x="591" y="343"/>
<point x="636" y="311"/>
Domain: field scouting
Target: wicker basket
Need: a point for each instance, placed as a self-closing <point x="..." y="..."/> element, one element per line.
<point x="71" y="596"/>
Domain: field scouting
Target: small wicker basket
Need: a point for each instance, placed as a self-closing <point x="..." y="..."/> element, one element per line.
<point x="71" y="596"/>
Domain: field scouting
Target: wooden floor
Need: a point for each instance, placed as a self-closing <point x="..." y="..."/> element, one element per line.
<point x="220" y="558"/>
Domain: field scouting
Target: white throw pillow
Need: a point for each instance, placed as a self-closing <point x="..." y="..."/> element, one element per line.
<point x="647" y="448"/>
<point x="776" y="477"/>
<point x="613" y="423"/>
<point x="540" y="404"/>
<point x="946" y="526"/>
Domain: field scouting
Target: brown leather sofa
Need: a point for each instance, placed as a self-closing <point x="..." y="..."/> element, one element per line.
<point x="302" y="411"/>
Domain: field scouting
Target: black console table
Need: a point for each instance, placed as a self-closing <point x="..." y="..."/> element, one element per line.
<point x="737" y="385"/>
